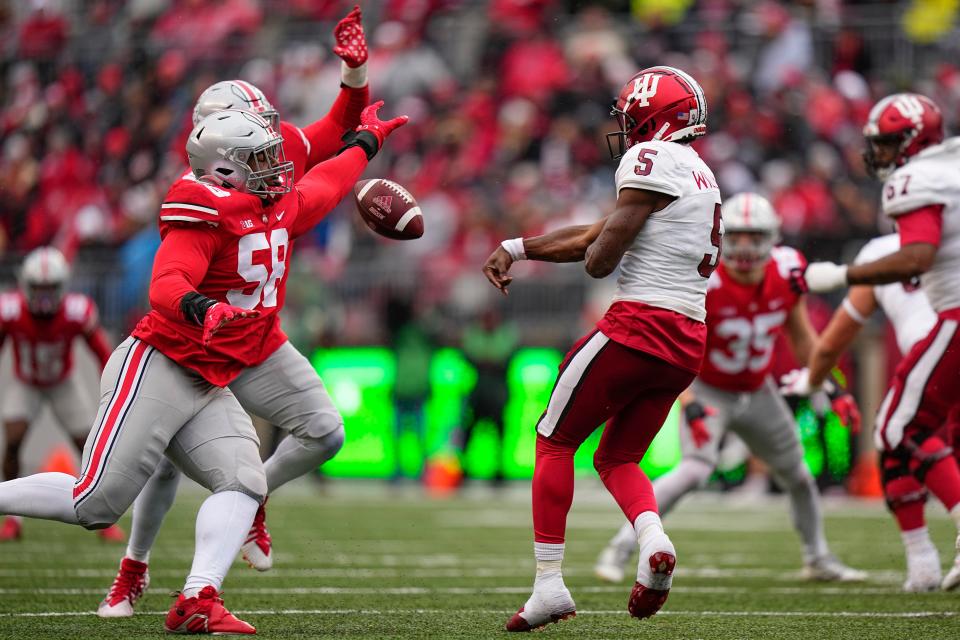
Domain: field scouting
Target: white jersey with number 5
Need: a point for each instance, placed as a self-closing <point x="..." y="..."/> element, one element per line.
<point x="905" y="305"/>
<point x="672" y="257"/>
<point x="932" y="177"/>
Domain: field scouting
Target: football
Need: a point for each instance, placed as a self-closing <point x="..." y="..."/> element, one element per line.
<point x="388" y="209"/>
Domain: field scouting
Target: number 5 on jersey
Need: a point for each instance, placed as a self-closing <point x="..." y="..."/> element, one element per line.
<point x="710" y="261"/>
<point x="265" y="279"/>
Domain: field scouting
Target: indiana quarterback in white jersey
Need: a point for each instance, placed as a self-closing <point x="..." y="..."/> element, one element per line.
<point x="665" y="234"/>
<point x="749" y="303"/>
<point x="912" y="319"/>
<point x="921" y="192"/>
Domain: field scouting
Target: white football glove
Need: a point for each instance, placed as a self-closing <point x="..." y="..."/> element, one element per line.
<point x="825" y="276"/>
<point x="797" y="383"/>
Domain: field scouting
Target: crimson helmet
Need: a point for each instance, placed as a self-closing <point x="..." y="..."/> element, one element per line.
<point x="659" y="103"/>
<point x="910" y="121"/>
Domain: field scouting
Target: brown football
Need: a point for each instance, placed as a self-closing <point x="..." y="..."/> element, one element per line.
<point x="388" y="209"/>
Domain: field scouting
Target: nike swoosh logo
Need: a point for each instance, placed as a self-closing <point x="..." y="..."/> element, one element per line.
<point x="280" y="215"/>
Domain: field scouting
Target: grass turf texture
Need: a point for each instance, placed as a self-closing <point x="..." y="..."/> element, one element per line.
<point x="359" y="561"/>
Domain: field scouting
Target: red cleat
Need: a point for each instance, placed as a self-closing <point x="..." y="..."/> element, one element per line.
<point x="519" y="623"/>
<point x="257" y="550"/>
<point x="128" y="587"/>
<point x="204" y="613"/>
<point x="113" y="533"/>
<point x="11" y="529"/>
<point x="647" y="600"/>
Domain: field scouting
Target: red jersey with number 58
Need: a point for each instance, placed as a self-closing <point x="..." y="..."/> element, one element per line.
<point x="43" y="347"/>
<point x="743" y="322"/>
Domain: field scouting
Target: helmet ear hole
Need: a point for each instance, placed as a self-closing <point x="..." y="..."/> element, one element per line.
<point x="224" y="171"/>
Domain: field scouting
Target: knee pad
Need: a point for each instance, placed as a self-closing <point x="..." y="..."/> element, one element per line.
<point x="925" y="450"/>
<point x="95" y="513"/>
<point x="317" y="424"/>
<point x="332" y="442"/>
<point x="166" y="470"/>
<point x="795" y="477"/>
<point x="229" y="464"/>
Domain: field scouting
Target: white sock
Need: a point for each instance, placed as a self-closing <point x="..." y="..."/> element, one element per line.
<point x="626" y="538"/>
<point x="223" y="522"/>
<point x="917" y="541"/>
<point x="647" y="524"/>
<point x="293" y="458"/>
<point x="549" y="560"/>
<point x="48" y="496"/>
<point x="149" y="509"/>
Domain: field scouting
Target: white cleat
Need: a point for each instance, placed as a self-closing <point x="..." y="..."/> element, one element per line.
<point x="257" y="551"/>
<point x="952" y="580"/>
<point x="655" y="568"/>
<point x="923" y="571"/>
<point x="827" y="568"/>
<point x="610" y="564"/>
<point x="550" y="602"/>
<point x="128" y="587"/>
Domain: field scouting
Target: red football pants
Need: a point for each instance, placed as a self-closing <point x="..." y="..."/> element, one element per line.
<point x="601" y="381"/>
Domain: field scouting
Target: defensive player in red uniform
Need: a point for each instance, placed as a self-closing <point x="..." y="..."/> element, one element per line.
<point x="43" y="322"/>
<point x="665" y="234"/>
<point x="217" y="286"/>
<point x="921" y="193"/>
<point x="283" y="389"/>
<point x="749" y="304"/>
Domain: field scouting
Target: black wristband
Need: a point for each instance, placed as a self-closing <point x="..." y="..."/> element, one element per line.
<point x="363" y="139"/>
<point x="694" y="411"/>
<point x="194" y="307"/>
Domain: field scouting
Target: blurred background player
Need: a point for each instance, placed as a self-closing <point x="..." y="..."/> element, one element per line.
<point x="43" y="321"/>
<point x="488" y="344"/>
<point x="749" y="303"/>
<point x="905" y="148"/>
<point x="284" y="389"/>
<point x="909" y="312"/>
<point x="665" y="234"/>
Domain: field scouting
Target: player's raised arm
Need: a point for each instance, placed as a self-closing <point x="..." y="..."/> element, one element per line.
<point x="323" y="136"/>
<point x="327" y="183"/>
<point x="843" y="327"/>
<point x="800" y="333"/>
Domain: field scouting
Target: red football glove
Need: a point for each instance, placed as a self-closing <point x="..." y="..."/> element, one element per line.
<point x="351" y="42"/>
<point x="221" y="314"/>
<point x="845" y="406"/>
<point x="798" y="280"/>
<point x="370" y="121"/>
<point x="696" y="414"/>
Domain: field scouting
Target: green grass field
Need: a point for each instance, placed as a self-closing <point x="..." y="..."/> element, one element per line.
<point x="359" y="561"/>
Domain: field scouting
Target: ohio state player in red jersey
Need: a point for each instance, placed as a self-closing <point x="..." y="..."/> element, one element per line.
<point x="218" y="282"/>
<point x="43" y="322"/>
<point x="905" y="148"/>
<point x="750" y="302"/>
<point x="665" y="235"/>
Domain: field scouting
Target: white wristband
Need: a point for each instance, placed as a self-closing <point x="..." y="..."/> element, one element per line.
<point x="514" y="247"/>
<point x="353" y="77"/>
<point x="852" y="311"/>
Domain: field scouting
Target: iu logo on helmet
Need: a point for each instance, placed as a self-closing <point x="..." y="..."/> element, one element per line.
<point x="644" y="88"/>
<point x="384" y="202"/>
<point x="909" y="107"/>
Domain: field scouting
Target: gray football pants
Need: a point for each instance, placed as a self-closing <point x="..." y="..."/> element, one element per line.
<point x="150" y="407"/>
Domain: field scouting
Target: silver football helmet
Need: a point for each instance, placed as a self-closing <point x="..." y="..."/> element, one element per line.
<point x="43" y="279"/>
<point x="235" y="94"/>
<point x="751" y="230"/>
<point x="240" y="150"/>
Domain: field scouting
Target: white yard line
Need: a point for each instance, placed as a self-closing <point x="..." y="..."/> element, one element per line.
<point x="617" y="612"/>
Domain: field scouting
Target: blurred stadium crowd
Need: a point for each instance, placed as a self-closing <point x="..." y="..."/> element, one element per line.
<point x="508" y="100"/>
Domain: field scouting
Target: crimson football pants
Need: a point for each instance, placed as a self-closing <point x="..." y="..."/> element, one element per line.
<point x="601" y="381"/>
<point x="910" y="425"/>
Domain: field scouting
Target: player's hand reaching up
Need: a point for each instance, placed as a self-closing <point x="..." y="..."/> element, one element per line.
<point x="351" y="42"/>
<point x="221" y="314"/>
<point x="370" y="121"/>
<point x="496" y="268"/>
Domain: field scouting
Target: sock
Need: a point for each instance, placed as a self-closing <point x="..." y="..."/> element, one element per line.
<point x="149" y="509"/>
<point x="626" y="539"/>
<point x="48" y="496"/>
<point x="805" y="511"/>
<point x="294" y="457"/>
<point x="943" y="477"/>
<point x="647" y="524"/>
<point x="917" y="541"/>
<point x="629" y="486"/>
<point x="689" y="475"/>
<point x="222" y="525"/>
<point x="552" y="491"/>
<point x="906" y="497"/>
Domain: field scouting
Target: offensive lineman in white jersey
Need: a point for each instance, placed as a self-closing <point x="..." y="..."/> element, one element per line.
<point x="665" y="234"/>
<point x="749" y="303"/>
<point x="921" y="192"/>
<point x="912" y="318"/>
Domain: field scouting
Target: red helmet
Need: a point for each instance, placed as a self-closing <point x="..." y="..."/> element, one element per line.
<point x="910" y="121"/>
<point x="659" y="103"/>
